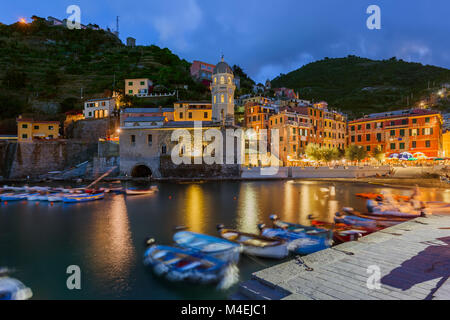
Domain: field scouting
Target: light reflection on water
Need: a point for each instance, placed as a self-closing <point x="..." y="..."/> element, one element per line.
<point x="106" y="237"/>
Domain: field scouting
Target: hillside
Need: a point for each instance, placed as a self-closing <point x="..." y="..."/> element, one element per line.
<point x="43" y="69"/>
<point x="358" y="85"/>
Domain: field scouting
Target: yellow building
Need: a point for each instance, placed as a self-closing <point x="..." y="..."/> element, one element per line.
<point x="192" y="111"/>
<point x="29" y="129"/>
<point x="446" y="144"/>
<point x="138" y="87"/>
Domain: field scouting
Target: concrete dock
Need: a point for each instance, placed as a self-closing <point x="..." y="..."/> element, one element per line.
<point x="409" y="261"/>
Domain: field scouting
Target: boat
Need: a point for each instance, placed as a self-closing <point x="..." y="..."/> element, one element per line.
<point x="130" y="192"/>
<point x="55" y="197"/>
<point x="219" y="248"/>
<point x="299" y="242"/>
<point x="181" y="264"/>
<point x="83" y="197"/>
<point x="256" y="245"/>
<point x="352" y="217"/>
<point x="379" y="196"/>
<point x="344" y="233"/>
<point x="12" y="289"/>
<point x="294" y="227"/>
<point x="13" y="196"/>
<point x="33" y="196"/>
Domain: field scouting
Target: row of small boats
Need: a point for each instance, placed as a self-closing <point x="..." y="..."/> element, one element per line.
<point x="205" y="258"/>
<point x="73" y="195"/>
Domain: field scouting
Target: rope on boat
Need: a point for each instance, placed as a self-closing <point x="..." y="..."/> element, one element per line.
<point x="302" y="263"/>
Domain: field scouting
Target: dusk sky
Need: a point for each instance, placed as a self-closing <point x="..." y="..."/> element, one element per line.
<point x="264" y="37"/>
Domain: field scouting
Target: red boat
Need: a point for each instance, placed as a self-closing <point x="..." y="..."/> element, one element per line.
<point x="342" y="232"/>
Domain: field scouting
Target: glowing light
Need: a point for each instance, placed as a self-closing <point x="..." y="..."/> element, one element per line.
<point x="23" y="20"/>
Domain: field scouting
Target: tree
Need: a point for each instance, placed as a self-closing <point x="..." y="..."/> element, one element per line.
<point x="355" y="153"/>
<point x="378" y="154"/>
<point x="14" y="79"/>
<point x="328" y="154"/>
<point x="312" y="151"/>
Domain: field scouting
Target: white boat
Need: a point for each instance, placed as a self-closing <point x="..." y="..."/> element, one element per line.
<point x="12" y="289"/>
<point x="33" y="197"/>
<point x="13" y="196"/>
<point x="142" y="191"/>
<point x="256" y="245"/>
<point x="55" y="197"/>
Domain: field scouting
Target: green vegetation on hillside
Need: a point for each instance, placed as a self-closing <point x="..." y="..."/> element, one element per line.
<point x="358" y="85"/>
<point x="44" y="69"/>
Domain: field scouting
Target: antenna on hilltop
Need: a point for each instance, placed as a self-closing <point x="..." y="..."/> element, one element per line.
<point x="117" y="26"/>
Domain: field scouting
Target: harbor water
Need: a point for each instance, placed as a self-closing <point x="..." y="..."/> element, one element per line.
<point x="105" y="238"/>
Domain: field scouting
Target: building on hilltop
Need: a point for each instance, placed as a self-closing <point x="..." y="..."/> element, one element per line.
<point x="138" y="87"/>
<point x="99" y="108"/>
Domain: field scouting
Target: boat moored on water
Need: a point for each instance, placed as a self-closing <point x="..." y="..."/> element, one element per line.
<point x="256" y="245"/>
<point x="217" y="247"/>
<point x="83" y="197"/>
<point x="181" y="264"/>
<point x="299" y="242"/>
<point x="13" y="196"/>
<point x="152" y="190"/>
<point x="12" y="289"/>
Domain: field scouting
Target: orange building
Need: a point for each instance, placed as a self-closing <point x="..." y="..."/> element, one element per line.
<point x="414" y="130"/>
<point x="294" y="130"/>
<point x="192" y="111"/>
<point x="257" y="116"/>
<point x="328" y="127"/>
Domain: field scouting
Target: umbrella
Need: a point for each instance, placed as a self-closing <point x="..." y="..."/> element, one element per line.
<point x="420" y="155"/>
<point x="393" y="156"/>
<point x="412" y="159"/>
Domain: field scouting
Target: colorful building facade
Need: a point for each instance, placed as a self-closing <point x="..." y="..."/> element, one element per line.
<point x="414" y="130"/>
<point x="29" y="130"/>
<point x="192" y="111"/>
<point x="138" y="87"/>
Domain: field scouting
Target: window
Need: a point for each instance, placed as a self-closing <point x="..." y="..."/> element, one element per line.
<point x="190" y="115"/>
<point x="90" y="114"/>
<point x="130" y="83"/>
<point x="222" y="98"/>
<point x="379" y="137"/>
<point x="133" y="139"/>
<point x="215" y="80"/>
<point x="181" y="115"/>
<point x="24" y="126"/>
<point x="205" y="115"/>
<point x="367" y="137"/>
<point x="36" y="127"/>
<point x="149" y="139"/>
<point x="142" y="83"/>
<point x="130" y="91"/>
<point x="414" y="120"/>
<point x="427" y="131"/>
<point x="368" y="126"/>
<point x="50" y="136"/>
<point x="402" y="132"/>
<point x="222" y="80"/>
<point x="414" y="144"/>
<point x="352" y="128"/>
<point x="50" y="128"/>
<point x="402" y="145"/>
<point x="427" y="143"/>
<point x="392" y="133"/>
<point x="392" y="123"/>
<point x="359" y="138"/>
<point x="368" y="148"/>
<point x="24" y="136"/>
<point x="404" y="121"/>
<point x="359" y="127"/>
<point x="163" y="149"/>
<point x="427" y="120"/>
<point x="413" y="132"/>
<point x="215" y="99"/>
<point x="392" y="146"/>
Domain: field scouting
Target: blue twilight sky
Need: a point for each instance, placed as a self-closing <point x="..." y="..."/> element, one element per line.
<point x="266" y="37"/>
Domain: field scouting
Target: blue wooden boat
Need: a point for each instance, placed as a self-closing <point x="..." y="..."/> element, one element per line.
<point x="298" y="228"/>
<point x="83" y="197"/>
<point x="181" y="264"/>
<point x="13" y="196"/>
<point x="299" y="242"/>
<point x="12" y="289"/>
<point x="219" y="248"/>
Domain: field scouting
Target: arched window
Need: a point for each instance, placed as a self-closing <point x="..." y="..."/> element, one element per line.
<point x="222" y="98"/>
<point x="163" y="149"/>
<point x="229" y="80"/>
<point x="215" y="99"/>
<point x="222" y="80"/>
<point x="229" y="99"/>
<point x="215" y="80"/>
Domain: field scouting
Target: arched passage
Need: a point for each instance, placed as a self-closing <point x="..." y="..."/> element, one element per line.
<point x="141" y="171"/>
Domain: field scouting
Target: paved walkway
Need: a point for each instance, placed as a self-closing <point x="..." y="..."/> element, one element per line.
<point x="408" y="261"/>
